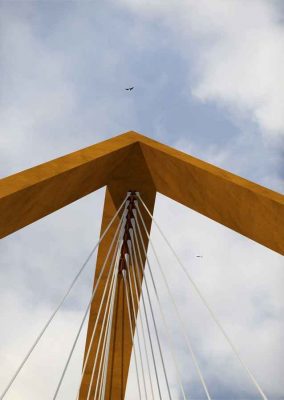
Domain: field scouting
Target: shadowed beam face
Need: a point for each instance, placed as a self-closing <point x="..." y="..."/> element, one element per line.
<point x="133" y="176"/>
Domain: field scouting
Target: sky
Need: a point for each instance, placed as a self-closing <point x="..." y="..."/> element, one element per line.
<point x="207" y="80"/>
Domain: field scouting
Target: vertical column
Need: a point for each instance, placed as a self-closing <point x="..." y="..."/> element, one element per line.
<point x="135" y="176"/>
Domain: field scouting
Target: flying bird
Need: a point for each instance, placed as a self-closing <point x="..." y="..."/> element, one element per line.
<point x="199" y="256"/>
<point x="130" y="88"/>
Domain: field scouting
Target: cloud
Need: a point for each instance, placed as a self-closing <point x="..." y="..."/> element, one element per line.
<point x="61" y="75"/>
<point x="236" y="158"/>
<point x="235" y="54"/>
<point x="38" y="264"/>
<point x="242" y="281"/>
<point x="55" y="95"/>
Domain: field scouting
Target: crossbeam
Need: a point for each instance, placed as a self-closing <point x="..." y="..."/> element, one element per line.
<point x="249" y="209"/>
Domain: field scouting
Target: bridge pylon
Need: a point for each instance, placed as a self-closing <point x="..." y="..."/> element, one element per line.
<point x="134" y="163"/>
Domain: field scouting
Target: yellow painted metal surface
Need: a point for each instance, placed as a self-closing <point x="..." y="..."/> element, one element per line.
<point x="249" y="209"/>
<point x="134" y="162"/>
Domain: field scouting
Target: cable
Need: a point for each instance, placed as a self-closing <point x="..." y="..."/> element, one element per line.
<point x="152" y="314"/>
<point x="140" y="318"/>
<point x="147" y="322"/>
<point x="99" y="311"/>
<point x="137" y="331"/>
<point x="105" y="319"/>
<point x="103" y="323"/>
<point x="163" y="318"/>
<point x="59" y="305"/>
<point x="103" y="388"/>
<point x="104" y="375"/>
<point x="111" y="269"/>
<point x="86" y="313"/>
<point x="131" y="330"/>
<point x="99" y="378"/>
<point x="100" y="374"/>
<point x="188" y="342"/>
<point x="211" y="312"/>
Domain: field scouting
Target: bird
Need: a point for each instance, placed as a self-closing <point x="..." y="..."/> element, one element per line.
<point x="199" y="256"/>
<point x="130" y="88"/>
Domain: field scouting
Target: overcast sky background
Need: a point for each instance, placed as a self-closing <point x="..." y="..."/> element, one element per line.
<point x="208" y="79"/>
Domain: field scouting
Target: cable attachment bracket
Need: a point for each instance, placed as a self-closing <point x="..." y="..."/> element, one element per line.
<point x="126" y="238"/>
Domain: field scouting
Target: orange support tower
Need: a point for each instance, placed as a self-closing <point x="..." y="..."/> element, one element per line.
<point x="134" y="162"/>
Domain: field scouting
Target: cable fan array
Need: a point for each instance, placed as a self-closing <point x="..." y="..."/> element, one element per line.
<point x="126" y="257"/>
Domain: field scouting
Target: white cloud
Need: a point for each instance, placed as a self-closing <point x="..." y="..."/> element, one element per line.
<point x="238" y="54"/>
<point x="242" y="281"/>
<point x="38" y="123"/>
<point x="37" y="265"/>
<point x="34" y="89"/>
<point x="52" y="97"/>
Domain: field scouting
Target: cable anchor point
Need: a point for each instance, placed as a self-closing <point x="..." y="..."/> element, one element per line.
<point x="127" y="238"/>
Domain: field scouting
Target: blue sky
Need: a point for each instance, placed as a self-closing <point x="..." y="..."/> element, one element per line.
<point x="208" y="80"/>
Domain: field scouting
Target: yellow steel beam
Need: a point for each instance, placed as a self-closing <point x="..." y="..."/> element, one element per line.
<point x="247" y="208"/>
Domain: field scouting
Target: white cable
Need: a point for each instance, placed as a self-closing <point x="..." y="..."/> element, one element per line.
<point x="59" y="305"/>
<point x="111" y="270"/>
<point x="187" y="339"/>
<point x="102" y="394"/>
<point x="105" y="320"/>
<point x="105" y="370"/>
<point x="140" y="318"/>
<point x="147" y="322"/>
<point x="135" y="324"/>
<point x="171" y="347"/>
<point x="100" y="374"/>
<point x="106" y="312"/>
<point x="103" y="323"/>
<point x="214" y="317"/>
<point x="131" y="331"/>
<point x="99" y="377"/>
<point x="86" y="313"/>
<point x="153" y="317"/>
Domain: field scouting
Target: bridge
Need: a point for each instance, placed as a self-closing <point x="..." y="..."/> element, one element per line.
<point x="133" y="168"/>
